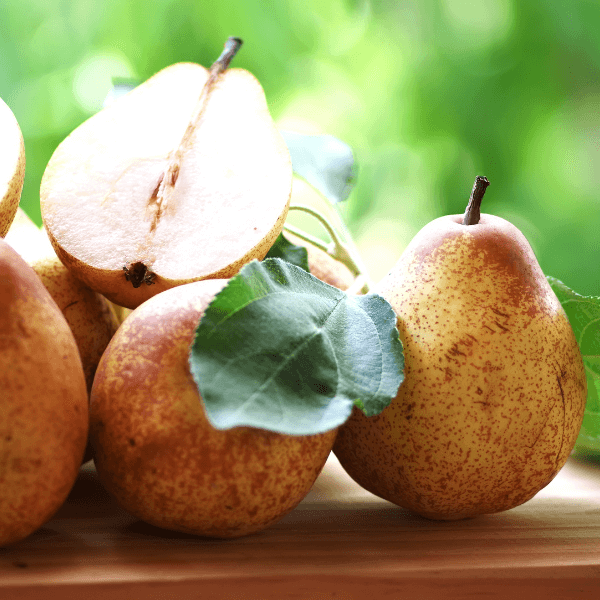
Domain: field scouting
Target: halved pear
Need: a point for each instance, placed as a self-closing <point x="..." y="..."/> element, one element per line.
<point x="12" y="166"/>
<point x="184" y="178"/>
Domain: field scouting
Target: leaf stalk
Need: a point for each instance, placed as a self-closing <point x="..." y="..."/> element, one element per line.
<point x="344" y="251"/>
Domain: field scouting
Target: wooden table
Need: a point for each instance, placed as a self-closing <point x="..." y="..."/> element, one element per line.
<point x="341" y="542"/>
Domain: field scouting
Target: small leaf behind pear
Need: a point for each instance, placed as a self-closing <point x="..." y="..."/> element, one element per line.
<point x="325" y="162"/>
<point x="284" y="249"/>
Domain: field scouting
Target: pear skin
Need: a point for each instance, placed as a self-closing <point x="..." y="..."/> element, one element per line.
<point x="120" y="312"/>
<point x="12" y="167"/>
<point x="88" y="313"/>
<point x="44" y="416"/>
<point x="155" y="450"/>
<point x="494" y="390"/>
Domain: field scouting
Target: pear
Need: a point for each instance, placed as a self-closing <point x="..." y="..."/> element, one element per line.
<point x="88" y="313"/>
<point x="25" y="232"/>
<point x="12" y="166"/>
<point x="155" y="449"/>
<point x="323" y="266"/>
<point x="120" y="312"/>
<point x="184" y="178"/>
<point x="43" y="399"/>
<point x="494" y="390"/>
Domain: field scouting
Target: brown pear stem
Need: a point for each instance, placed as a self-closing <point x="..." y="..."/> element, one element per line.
<point x="473" y="213"/>
<point x="232" y="45"/>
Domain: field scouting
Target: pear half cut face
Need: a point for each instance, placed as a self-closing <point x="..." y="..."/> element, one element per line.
<point x="12" y="167"/>
<point x="172" y="183"/>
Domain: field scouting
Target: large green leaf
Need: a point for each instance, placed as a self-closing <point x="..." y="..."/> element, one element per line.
<point x="584" y="315"/>
<point x="279" y="349"/>
<point x="323" y="161"/>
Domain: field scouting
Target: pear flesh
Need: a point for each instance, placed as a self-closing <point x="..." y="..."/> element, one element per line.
<point x="155" y="450"/>
<point x="494" y="390"/>
<point x="131" y="225"/>
<point x="12" y="167"/>
<point x="43" y="401"/>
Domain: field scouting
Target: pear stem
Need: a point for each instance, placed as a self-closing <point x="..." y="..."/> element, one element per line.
<point x="473" y="213"/>
<point x="232" y="45"/>
<point x="322" y="219"/>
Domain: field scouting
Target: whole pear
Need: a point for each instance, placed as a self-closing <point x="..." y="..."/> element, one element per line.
<point x="43" y="402"/>
<point x="88" y="313"/>
<point x="12" y="166"/>
<point x="155" y="450"/>
<point x="494" y="389"/>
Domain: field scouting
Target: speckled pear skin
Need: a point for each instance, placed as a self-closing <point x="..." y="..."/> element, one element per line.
<point x="157" y="453"/>
<point x="88" y="314"/>
<point x="494" y="389"/>
<point x="43" y="402"/>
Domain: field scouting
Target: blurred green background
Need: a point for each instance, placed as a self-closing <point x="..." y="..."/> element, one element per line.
<point x="428" y="93"/>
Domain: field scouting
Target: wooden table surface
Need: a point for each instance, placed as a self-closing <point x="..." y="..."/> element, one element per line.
<point x="341" y="542"/>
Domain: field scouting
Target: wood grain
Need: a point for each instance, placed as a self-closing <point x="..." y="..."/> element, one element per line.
<point x="340" y="542"/>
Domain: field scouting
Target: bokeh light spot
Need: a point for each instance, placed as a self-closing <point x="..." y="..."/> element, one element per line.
<point x="481" y="21"/>
<point x="94" y="78"/>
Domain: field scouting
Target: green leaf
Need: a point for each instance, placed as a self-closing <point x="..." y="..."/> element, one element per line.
<point x="284" y="249"/>
<point x="279" y="349"/>
<point x="584" y="315"/>
<point x="323" y="161"/>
